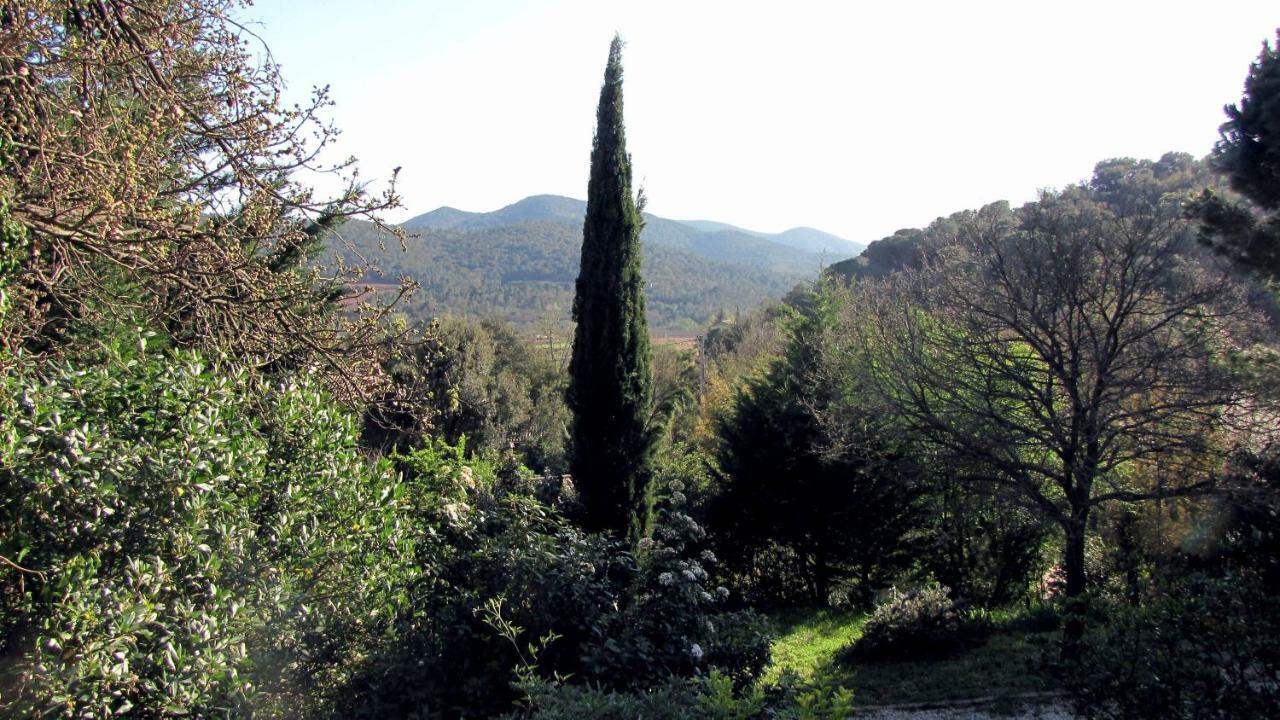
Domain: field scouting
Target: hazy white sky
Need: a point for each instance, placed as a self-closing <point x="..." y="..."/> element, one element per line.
<point x="858" y="118"/>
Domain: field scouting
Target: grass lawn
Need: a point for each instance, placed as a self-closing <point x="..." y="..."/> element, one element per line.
<point x="809" y="639"/>
<point x="1007" y="664"/>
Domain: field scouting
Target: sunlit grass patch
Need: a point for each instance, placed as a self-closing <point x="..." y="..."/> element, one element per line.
<point x="1007" y="664"/>
<point x="808" y="640"/>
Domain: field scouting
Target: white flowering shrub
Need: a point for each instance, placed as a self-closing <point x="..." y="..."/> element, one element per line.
<point x="920" y="623"/>
<point x="675" y="621"/>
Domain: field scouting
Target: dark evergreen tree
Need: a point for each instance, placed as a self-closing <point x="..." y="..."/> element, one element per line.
<point x="1250" y="147"/>
<point x="1249" y="154"/>
<point x="800" y="512"/>
<point x="610" y="390"/>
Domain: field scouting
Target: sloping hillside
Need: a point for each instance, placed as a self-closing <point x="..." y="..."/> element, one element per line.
<point x="800" y="250"/>
<point x="524" y="273"/>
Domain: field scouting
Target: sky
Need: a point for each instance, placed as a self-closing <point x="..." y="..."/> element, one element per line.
<point x="857" y="118"/>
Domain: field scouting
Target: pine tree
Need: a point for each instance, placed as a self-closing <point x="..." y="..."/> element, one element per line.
<point x="1249" y="155"/>
<point x="1249" y="151"/>
<point x="610" y="389"/>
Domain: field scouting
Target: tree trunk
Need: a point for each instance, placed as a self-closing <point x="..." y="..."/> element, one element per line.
<point x="1127" y="545"/>
<point x="819" y="577"/>
<point x="1073" y="563"/>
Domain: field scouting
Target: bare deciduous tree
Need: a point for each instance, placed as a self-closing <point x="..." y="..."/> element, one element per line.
<point x="147" y="151"/>
<point x="1062" y="347"/>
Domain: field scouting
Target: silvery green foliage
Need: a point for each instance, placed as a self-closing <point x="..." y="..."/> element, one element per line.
<point x="194" y="540"/>
<point x="919" y="623"/>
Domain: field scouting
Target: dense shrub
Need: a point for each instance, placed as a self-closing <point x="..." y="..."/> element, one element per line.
<point x="477" y="380"/>
<point x="13" y="245"/>
<point x="484" y="555"/>
<point x="186" y="537"/>
<point x="673" y="623"/>
<point x="740" y="646"/>
<point x="821" y="697"/>
<point x="921" y="623"/>
<point x="673" y="700"/>
<point x="1039" y="619"/>
<point x="1191" y="632"/>
<point x="711" y="697"/>
<point x="1205" y="648"/>
<point x="505" y="574"/>
<point x="1250" y="508"/>
<point x="981" y="542"/>
<point x="194" y="540"/>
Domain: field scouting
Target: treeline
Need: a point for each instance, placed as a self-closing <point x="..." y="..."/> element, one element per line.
<point x="1008" y="348"/>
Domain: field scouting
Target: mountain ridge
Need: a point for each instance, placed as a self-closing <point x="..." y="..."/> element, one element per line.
<point x="722" y="237"/>
<point x="519" y="263"/>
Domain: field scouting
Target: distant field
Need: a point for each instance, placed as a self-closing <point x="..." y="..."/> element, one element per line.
<point x="373" y="286"/>
<point x="684" y="341"/>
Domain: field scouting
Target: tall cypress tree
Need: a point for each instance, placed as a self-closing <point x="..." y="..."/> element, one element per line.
<point x="610" y="386"/>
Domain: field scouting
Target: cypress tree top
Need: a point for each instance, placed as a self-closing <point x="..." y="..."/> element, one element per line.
<point x="610" y="391"/>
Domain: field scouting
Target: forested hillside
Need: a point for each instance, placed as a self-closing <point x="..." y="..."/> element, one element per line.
<point x="523" y="274"/>
<point x="519" y="263"/>
<point x="913" y="248"/>
<point x="795" y="250"/>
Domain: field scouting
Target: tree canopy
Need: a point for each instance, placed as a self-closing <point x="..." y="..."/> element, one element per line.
<point x="1248" y="229"/>
<point x="1062" y="347"/>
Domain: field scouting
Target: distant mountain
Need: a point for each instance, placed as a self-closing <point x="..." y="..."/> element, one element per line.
<point x="519" y="263"/>
<point x="445" y="218"/>
<point x="524" y="274"/>
<point x="802" y="250"/>
<point x="553" y="208"/>
<point x="713" y="226"/>
<point x="817" y="241"/>
<point x="807" y="239"/>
